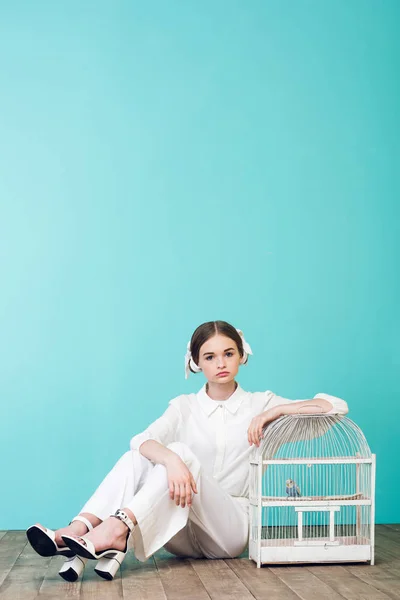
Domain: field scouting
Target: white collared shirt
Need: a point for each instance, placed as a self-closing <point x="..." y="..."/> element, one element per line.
<point x="216" y="431"/>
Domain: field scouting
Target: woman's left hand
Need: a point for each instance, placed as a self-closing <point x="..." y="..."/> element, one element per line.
<point x="254" y="432"/>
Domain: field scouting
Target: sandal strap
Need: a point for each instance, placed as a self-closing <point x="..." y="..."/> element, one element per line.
<point x="122" y="516"/>
<point x="84" y="520"/>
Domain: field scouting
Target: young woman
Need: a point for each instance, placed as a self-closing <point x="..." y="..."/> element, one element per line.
<point x="184" y="483"/>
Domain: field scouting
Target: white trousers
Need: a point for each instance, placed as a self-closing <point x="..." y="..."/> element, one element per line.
<point x="215" y="526"/>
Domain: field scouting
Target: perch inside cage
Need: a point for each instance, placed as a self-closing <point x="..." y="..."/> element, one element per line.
<point x="312" y="483"/>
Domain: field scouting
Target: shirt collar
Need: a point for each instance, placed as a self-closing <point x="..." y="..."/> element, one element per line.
<point x="209" y="405"/>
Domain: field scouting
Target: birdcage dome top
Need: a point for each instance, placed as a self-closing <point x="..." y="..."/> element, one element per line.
<point x="313" y="436"/>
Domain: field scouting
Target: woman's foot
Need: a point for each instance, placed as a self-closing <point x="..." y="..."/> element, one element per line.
<point x="76" y="528"/>
<point x="111" y="533"/>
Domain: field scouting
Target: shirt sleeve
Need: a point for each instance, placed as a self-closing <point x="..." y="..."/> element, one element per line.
<point x="162" y="430"/>
<point x="339" y="406"/>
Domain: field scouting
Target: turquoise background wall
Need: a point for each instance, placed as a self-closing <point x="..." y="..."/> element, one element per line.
<point x="169" y="163"/>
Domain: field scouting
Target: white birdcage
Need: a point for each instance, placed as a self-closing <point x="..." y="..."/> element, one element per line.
<point x="312" y="492"/>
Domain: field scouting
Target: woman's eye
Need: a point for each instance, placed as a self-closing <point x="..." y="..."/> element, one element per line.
<point x="227" y="353"/>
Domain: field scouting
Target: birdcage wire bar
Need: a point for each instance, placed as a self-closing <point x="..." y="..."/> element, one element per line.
<point x="328" y="514"/>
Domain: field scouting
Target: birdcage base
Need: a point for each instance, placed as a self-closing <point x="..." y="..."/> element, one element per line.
<point x="289" y="551"/>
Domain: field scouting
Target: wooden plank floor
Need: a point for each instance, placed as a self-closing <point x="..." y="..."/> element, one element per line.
<point x="26" y="575"/>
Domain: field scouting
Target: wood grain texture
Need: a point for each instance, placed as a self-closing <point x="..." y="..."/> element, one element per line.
<point x="219" y="580"/>
<point x="385" y="574"/>
<point x="11" y="545"/>
<point x="94" y="586"/>
<point x="305" y="584"/>
<point x="180" y="581"/>
<point x="345" y="584"/>
<point x="141" y="580"/>
<point x="262" y="583"/>
<point x="22" y="569"/>
<point x="24" y="575"/>
<point x="394" y="526"/>
<point x="53" y="586"/>
<point x="378" y="578"/>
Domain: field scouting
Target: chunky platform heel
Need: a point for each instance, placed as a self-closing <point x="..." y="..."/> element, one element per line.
<point x="109" y="559"/>
<point x="107" y="567"/>
<point x="72" y="568"/>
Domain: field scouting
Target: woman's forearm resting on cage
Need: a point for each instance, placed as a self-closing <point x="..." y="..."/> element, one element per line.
<point x="306" y="407"/>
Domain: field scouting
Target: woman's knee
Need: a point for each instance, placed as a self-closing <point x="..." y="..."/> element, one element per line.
<point x="183" y="451"/>
<point x="126" y="457"/>
<point x="133" y="460"/>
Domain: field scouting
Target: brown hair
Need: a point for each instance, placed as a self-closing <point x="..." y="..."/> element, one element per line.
<point x="205" y="331"/>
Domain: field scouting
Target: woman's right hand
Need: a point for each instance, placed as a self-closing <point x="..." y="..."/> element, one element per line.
<point x="180" y="481"/>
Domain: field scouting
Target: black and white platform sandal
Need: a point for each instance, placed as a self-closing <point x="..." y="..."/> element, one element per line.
<point x="72" y="568"/>
<point x="43" y="542"/>
<point x="109" y="560"/>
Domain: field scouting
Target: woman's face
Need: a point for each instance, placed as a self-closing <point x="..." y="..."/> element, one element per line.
<point x="219" y="354"/>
